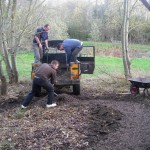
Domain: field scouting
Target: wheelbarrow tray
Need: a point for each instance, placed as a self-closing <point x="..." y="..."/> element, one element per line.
<point x="140" y="82"/>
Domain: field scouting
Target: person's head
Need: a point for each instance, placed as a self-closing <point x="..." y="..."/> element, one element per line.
<point x="46" y="27"/>
<point x="55" y="64"/>
<point x="60" y="46"/>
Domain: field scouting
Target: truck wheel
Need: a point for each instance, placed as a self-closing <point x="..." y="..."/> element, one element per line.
<point x="76" y="89"/>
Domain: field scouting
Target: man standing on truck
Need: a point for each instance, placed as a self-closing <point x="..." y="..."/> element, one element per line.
<point x="72" y="47"/>
<point x="40" y="42"/>
<point x="43" y="75"/>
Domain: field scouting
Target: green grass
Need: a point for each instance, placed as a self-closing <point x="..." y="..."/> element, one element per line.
<point x="24" y="62"/>
<point x="103" y="64"/>
<point x="142" y="64"/>
<point x="106" y="66"/>
<point x="114" y="66"/>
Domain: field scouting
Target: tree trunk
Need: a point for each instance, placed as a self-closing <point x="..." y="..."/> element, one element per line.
<point x="6" y="59"/>
<point x="12" y="44"/>
<point x="3" y="88"/>
<point x="14" y="68"/>
<point x="4" y="47"/>
<point x="125" y="50"/>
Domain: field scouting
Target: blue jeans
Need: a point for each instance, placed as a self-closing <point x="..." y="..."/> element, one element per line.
<point x="36" y="85"/>
<point x="75" y="54"/>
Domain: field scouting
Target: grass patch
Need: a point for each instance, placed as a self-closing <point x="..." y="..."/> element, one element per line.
<point x="103" y="64"/>
<point x="113" y="66"/>
<point x="141" y="64"/>
<point x="108" y="65"/>
<point x="24" y="62"/>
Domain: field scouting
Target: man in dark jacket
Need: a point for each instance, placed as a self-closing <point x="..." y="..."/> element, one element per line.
<point x="72" y="47"/>
<point x="43" y="75"/>
<point x="40" y="42"/>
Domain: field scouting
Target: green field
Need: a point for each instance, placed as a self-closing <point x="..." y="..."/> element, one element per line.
<point x="24" y="62"/>
<point x="103" y="65"/>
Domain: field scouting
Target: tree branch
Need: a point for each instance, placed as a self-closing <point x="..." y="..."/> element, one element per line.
<point x="146" y="4"/>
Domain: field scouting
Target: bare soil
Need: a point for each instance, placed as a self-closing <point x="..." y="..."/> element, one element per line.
<point x="94" y="120"/>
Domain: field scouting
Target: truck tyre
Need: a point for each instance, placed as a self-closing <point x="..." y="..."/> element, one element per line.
<point x="76" y="89"/>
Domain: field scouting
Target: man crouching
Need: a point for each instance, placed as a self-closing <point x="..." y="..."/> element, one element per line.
<point x="45" y="76"/>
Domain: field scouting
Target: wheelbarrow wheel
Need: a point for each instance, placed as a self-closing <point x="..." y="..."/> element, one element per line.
<point x="134" y="90"/>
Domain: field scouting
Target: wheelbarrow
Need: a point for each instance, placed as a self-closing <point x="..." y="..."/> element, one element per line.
<point x="137" y="83"/>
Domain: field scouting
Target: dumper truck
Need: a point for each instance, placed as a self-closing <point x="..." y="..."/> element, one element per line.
<point x="69" y="76"/>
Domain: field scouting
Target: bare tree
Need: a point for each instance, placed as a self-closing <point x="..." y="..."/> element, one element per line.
<point x="5" y="9"/>
<point x="11" y="34"/>
<point x="12" y="44"/>
<point x="146" y="4"/>
<point x="3" y="53"/>
<point x="14" y="26"/>
<point x="125" y="49"/>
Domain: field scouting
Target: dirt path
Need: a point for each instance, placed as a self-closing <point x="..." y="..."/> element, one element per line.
<point x="91" y="121"/>
<point x="135" y="127"/>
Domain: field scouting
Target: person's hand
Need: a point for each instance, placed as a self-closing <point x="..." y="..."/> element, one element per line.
<point x="47" y="49"/>
<point x="40" y="46"/>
